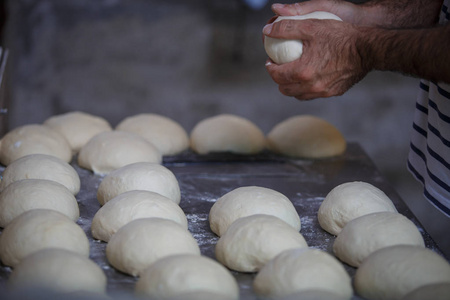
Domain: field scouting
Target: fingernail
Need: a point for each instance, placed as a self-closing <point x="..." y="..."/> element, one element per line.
<point x="268" y="63"/>
<point x="267" y="29"/>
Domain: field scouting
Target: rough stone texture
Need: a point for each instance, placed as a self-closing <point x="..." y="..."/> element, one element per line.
<point x="116" y="58"/>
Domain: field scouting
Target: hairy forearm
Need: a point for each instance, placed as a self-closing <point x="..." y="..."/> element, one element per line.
<point x="400" y="13"/>
<point x="420" y="53"/>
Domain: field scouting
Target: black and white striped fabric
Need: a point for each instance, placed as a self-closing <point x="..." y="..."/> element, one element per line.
<point x="429" y="156"/>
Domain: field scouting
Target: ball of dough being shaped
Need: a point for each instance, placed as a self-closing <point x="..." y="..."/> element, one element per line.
<point x="139" y="176"/>
<point x="306" y="136"/>
<point x="179" y="274"/>
<point x="27" y="194"/>
<point x="302" y="269"/>
<point x="283" y="51"/>
<point x="366" y="234"/>
<point x="41" y="166"/>
<point x="227" y="133"/>
<point x="164" y="133"/>
<point x="33" y="139"/>
<point x="142" y="242"/>
<point x="133" y="205"/>
<point x="111" y="150"/>
<point x="59" y="270"/>
<point x="78" y="127"/>
<point x="437" y="291"/>
<point x="350" y="200"/>
<point x="250" y="242"/>
<point x="250" y="200"/>
<point x="392" y="272"/>
<point x="39" y="229"/>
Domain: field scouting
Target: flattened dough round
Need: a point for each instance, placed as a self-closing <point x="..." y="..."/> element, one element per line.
<point x="78" y="127"/>
<point x="59" y="270"/>
<point x="139" y="176"/>
<point x="306" y="136"/>
<point x="27" y="194"/>
<point x="250" y="242"/>
<point x="283" y="51"/>
<point x="179" y="274"/>
<point x="41" y="166"/>
<point x="39" y="229"/>
<point x="437" y="291"/>
<point x="108" y="151"/>
<point x="133" y="205"/>
<point x="392" y="272"/>
<point x="251" y="200"/>
<point x="164" y="133"/>
<point x="227" y="133"/>
<point x="366" y="234"/>
<point x="302" y="269"/>
<point x="142" y="242"/>
<point x="350" y="200"/>
<point x="33" y="139"/>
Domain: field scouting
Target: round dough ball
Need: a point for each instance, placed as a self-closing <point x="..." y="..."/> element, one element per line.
<point x="306" y="136"/>
<point x="39" y="229"/>
<point x="227" y="133"/>
<point x="139" y="176"/>
<point x="392" y="272"/>
<point x="438" y="291"/>
<point x="302" y="269"/>
<point x="111" y="150"/>
<point x="133" y="205"/>
<point x="179" y="274"/>
<point x="349" y="201"/>
<point x="41" y="166"/>
<point x="200" y="295"/>
<point x="27" y="194"/>
<point x="142" y="242"/>
<point x="314" y="294"/>
<point x="33" y="139"/>
<point x="164" y="133"/>
<point x="251" y="200"/>
<point x="364" y="235"/>
<point x="59" y="270"/>
<point x="78" y="127"/>
<point x="250" y="242"/>
<point x="283" y="51"/>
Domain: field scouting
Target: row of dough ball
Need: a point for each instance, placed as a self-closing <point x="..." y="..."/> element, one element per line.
<point x="259" y="232"/>
<point x="387" y="248"/>
<point x="147" y="235"/>
<point x="148" y="137"/>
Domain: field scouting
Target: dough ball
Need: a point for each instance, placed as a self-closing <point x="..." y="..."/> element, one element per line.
<point x="39" y="229"/>
<point x="139" y="176"/>
<point x="302" y="269"/>
<point x="33" y="139"/>
<point x="78" y="127"/>
<point x="437" y="291"/>
<point x="59" y="270"/>
<point x="314" y="294"/>
<point x="133" y="205"/>
<point x="200" y="295"/>
<point x="306" y="136"/>
<point x="140" y="243"/>
<point x="41" y="166"/>
<point x="227" y="133"/>
<point x="111" y="150"/>
<point x="364" y="235"/>
<point x="179" y="274"/>
<point x="349" y="201"/>
<point x="392" y="272"/>
<point x="164" y="133"/>
<point x="250" y="242"/>
<point x="251" y="200"/>
<point x="27" y="194"/>
<point x="283" y="51"/>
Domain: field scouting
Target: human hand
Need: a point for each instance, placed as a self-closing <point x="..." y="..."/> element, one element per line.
<point x="330" y="63"/>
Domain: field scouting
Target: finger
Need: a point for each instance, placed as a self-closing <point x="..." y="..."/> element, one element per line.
<point x="282" y="74"/>
<point x="301" y="8"/>
<point x="288" y="29"/>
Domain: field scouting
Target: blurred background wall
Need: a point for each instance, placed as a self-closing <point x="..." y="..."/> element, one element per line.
<point x="187" y="60"/>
